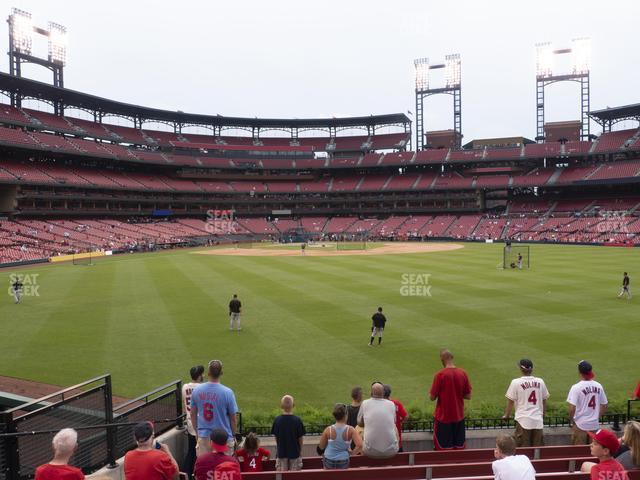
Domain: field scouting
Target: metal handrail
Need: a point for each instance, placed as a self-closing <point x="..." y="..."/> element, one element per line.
<point x="90" y="427"/>
<point x="145" y="397"/>
<point x="58" y="393"/>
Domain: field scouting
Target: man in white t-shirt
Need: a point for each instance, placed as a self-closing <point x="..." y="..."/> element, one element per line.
<point x="529" y="395"/>
<point x="197" y="376"/>
<point x="587" y="403"/>
<point x="378" y="417"/>
<point x="508" y="465"/>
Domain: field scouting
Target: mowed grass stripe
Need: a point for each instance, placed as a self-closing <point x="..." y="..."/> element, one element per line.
<point x="307" y="319"/>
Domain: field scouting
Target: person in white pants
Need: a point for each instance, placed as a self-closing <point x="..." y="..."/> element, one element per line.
<point x="17" y="291"/>
<point x="625" y="287"/>
<point x="235" y="307"/>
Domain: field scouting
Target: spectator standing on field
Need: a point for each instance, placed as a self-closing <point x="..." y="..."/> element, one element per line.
<point x="213" y="406"/>
<point x="379" y="321"/>
<point x="529" y="394"/>
<point x="289" y="432"/>
<point x="401" y="413"/>
<point x="587" y="403"/>
<point x="196" y="374"/>
<point x="148" y="462"/>
<point x="625" y="287"/>
<point x="508" y="465"/>
<point x="378" y="417"/>
<point x="65" y="444"/>
<point x="450" y="388"/>
<point x="235" y="307"/>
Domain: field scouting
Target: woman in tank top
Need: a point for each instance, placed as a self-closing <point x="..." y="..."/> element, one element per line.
<point x="335" y="442"/>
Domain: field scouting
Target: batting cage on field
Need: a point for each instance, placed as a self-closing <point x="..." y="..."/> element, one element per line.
<point x="516" y="256"/>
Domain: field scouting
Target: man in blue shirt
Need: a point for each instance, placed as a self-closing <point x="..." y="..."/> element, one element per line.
<point x="213" y="406"/>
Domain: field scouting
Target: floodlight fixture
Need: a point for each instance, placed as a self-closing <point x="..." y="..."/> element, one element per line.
<point x="452" y="70"/>
<point x="57" y="43"/>
<point x="544" y="59"/>
<point x="581" y="55"/>
<point x="422" y="73"/>
<point x="21" y="29"/>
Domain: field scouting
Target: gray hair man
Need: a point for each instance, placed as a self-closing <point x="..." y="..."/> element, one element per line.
<point x="378" y="417"/>
<point x="64" y="444"/>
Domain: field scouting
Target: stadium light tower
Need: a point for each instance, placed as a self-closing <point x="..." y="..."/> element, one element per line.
<point x="21" y="33"/>
<point x="452" y="73"/>
<point x="546" y="75"/>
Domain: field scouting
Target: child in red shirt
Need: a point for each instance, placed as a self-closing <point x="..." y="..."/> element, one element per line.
<point x="604" y="445"/>
<point x="251" y="455"/>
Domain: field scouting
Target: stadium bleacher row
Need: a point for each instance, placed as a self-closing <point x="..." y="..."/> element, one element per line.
<point x="588" y="221"/>
<point x="154" y="147"/>
<point x="45" y="121"/>
<point x="551" y="463"/>
<point x="53" y="173"/>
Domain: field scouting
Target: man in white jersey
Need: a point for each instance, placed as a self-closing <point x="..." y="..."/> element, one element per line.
<point x="197" y="376"/>
<point x="587" y="402"/>
<point x="529" y="395"/>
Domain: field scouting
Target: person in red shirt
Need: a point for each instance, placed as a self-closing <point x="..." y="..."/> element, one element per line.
<point x="636" y="393"/>
<point x="604" y="446"/>
<point x="207" y="463"/>
<point x="401" y="413"/>
<point x="152" y="460"/>
<point x="251" y="455"/>
<point x="65" y="444"/>
<point x="450" y="388"/>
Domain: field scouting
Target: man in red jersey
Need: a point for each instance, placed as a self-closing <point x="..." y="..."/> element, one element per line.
<point x="401" y="413"/>
<point x="450" y="388"/>
<point x="151" y="460"/>
<point x="207" y="464"/>
<point x="64" y="443"/>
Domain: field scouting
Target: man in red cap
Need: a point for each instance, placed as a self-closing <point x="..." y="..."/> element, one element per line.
<point x="209" y="465"/>
<point x="604" y="446"/>
<point x="587" y="403"/>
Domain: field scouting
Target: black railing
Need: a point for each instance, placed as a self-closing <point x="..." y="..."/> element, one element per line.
<point x="613" y="419"/>
<point x="630" y="415"/>
<point x="164" y="404"/>
<point x="25" y="436"/>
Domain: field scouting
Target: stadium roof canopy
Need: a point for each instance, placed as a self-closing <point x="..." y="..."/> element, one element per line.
<point x="609" y="116"/>
<point x="28" y="88"/>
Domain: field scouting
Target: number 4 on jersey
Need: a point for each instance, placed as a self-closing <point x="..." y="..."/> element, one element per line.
<point x="532" y="398"/>
<point x="592" y="402"/>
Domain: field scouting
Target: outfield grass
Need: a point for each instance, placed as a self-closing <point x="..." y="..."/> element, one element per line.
<point x="146" y="319"/>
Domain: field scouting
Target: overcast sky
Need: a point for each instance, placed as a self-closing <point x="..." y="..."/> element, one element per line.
<point x="340" y="57"/>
